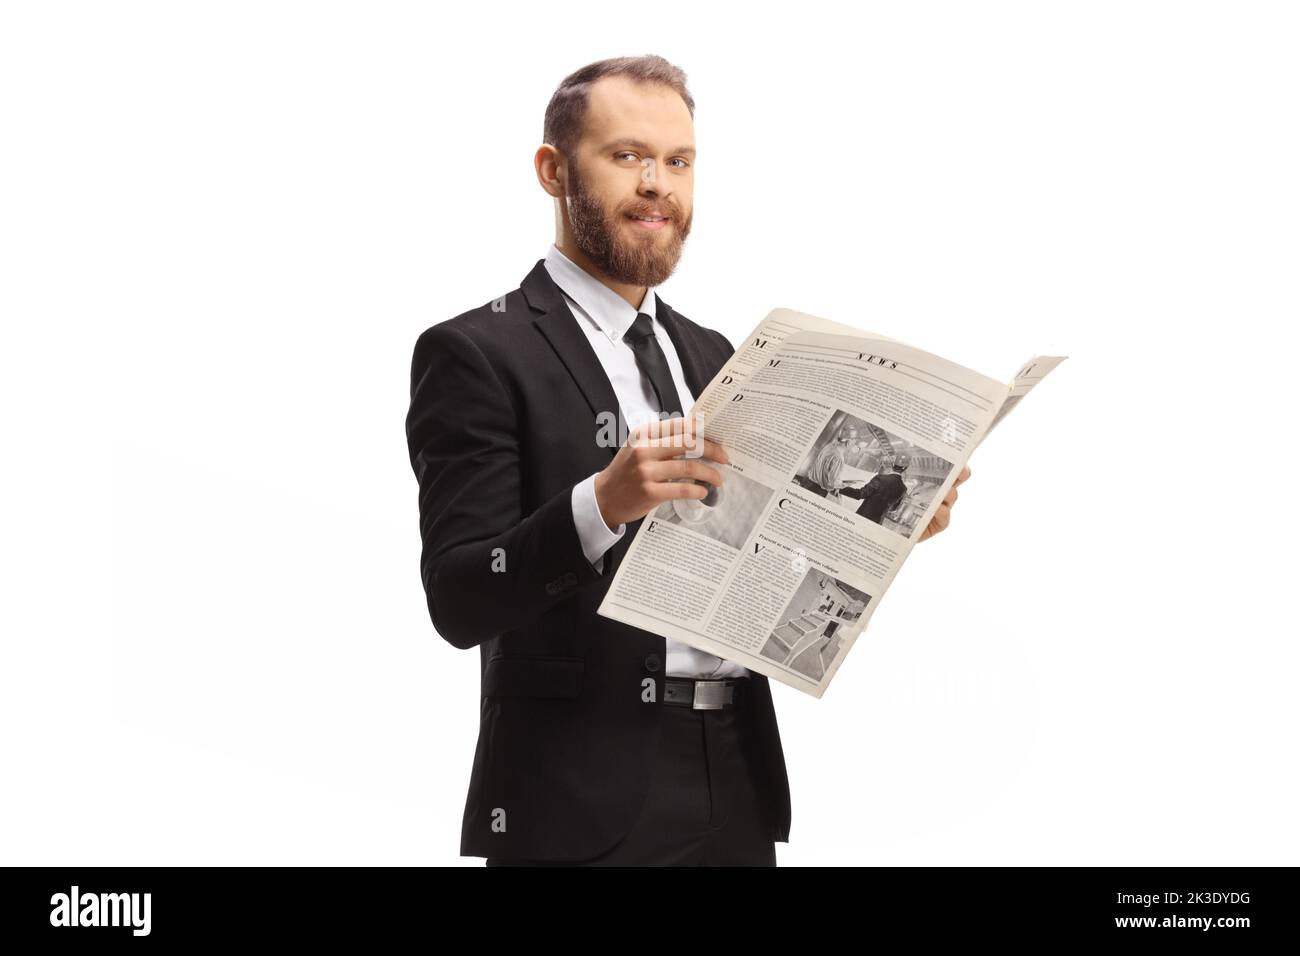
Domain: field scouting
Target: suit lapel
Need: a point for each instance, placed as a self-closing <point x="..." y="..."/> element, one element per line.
<point x="561" y="329"/>
<point x="687" y="346"/>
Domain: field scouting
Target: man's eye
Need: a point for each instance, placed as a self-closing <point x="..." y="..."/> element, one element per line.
<point x="624" y="153"/>
<point x="678" y="159"/>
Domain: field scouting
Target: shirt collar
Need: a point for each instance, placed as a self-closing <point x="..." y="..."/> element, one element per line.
<point x="603" y="305"/>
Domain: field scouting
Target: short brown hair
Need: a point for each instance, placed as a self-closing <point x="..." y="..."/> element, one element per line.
<point x="568" y="106"/>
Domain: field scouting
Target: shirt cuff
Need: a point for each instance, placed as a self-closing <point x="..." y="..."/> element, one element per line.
<point x="594" y="534"/>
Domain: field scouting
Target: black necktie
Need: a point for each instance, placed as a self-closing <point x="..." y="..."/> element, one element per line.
<point x="654" y="366"/>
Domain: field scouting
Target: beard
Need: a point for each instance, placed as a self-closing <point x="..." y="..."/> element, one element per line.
<point x="644" y="260"/>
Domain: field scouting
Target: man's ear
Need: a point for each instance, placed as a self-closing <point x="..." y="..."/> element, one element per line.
<point x="551" y="173"/>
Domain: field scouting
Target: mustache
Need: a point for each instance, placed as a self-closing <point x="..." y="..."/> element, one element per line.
<point x="667" y="208"/>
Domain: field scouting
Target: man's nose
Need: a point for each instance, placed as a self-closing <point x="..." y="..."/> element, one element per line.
<point x="653" y="182"/>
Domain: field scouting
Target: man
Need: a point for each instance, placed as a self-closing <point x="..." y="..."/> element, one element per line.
<point x="599" y="743"/>
<point x="882" y="492"/>
<point x="826" y="468"/>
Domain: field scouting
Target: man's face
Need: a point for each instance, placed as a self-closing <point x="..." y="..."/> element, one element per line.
<point x="631" y="179"/>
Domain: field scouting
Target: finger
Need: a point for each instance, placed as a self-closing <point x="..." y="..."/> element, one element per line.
<point x="965" y="473"/>
<point x="700" y="447"/>
<point x="695" y="445"/>
<point x="950" y="498"/>
<point x="656" y="432"/>
<point x="664" y="490"/>
<point x="675" y="436"/>
<point x="684" y="468"/>
<point x="708" y="448"/>
<point x="654" y="426"/>
<point x="941" y="518"/>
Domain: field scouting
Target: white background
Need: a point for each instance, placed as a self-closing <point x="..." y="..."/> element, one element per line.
<point x="224" y="225"/>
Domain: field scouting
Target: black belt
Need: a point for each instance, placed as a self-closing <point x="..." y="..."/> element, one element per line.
<point x="705" y="694"/>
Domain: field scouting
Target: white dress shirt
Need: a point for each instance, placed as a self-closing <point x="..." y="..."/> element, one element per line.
<point x="605" y="317"/>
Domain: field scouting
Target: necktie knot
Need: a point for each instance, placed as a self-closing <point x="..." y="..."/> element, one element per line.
<point x="641" y="330"/>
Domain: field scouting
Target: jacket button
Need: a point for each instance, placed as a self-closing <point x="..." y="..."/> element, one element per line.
<point x="652" y="662"/>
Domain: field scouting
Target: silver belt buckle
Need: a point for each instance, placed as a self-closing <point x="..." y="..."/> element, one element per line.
<point x="710" y="695"/>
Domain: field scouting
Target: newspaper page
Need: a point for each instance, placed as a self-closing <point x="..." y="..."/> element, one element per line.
<point x="842" y="444"/>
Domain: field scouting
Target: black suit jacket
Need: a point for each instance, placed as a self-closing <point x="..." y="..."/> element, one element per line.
<point x="502" y="424"/>
<point x="879" y="494"/>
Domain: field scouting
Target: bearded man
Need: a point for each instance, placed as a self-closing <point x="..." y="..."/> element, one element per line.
<point x="598" y="743"/>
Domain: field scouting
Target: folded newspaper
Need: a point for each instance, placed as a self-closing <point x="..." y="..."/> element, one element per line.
<point x="842" y="444"/>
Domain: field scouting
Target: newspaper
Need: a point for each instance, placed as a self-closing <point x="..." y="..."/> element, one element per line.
<point x="842" y="444"/>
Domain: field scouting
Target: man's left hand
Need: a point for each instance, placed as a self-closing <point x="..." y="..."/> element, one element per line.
<point x="944" y="515"/>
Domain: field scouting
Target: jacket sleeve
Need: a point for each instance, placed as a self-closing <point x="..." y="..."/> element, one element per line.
<point x="486" y="567"/>
<point x="726" y="342"/>
<point x="850" y="492"/>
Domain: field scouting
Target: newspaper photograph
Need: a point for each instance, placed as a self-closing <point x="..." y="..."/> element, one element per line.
<point x="842" y="444"/>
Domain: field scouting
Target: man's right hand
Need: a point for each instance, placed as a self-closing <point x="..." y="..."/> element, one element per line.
<point x="642" y="475"/>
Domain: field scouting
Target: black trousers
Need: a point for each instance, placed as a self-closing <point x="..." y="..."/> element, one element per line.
<point x="703" y="806"/>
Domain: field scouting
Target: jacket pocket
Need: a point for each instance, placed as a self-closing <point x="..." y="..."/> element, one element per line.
<point x="510" y="676"/>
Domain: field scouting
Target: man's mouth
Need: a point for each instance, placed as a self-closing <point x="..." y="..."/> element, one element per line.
<point x="650" y="221"/>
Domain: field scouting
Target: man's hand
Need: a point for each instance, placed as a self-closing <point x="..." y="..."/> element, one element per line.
<point x="944" y="514"/>
<point x="642" y="475"/>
